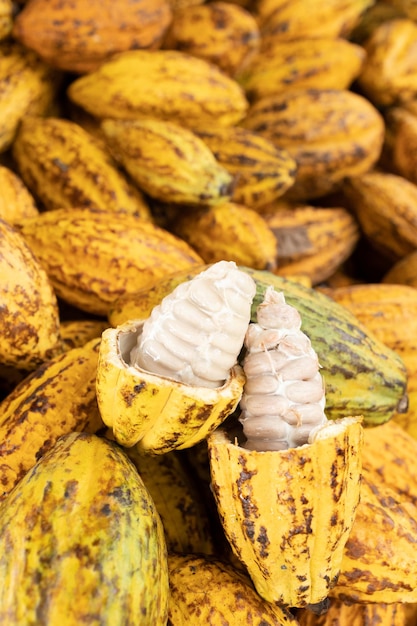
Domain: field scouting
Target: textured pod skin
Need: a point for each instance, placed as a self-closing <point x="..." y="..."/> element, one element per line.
<point x="261" y="171"/>
<point x="390" y="454"/>
<point x="177" y="499"/>
<point x="362" y="375"/>
<point x="6" y="18"/>
<point x="220" y="32"/>
<point x="322" y="63"/>
<point x="158" y="414"/>
<point x="385" y="206"/>
<point x="341" y="614"/>
<point x="330" y="133"/>
<point x="142" y="83"/>
<point x="404" y="271"/>
<point x="401" y="140"/>
<point x="28" y="86"/>
<point x="228" y="597"/>
<point x="78" y="37"/>
<point x="295" y="562"/>
<point x="56" y="399"/>
<point x="379" y="563"/>
<point x="312" y="241"/>
<point x="388" y="75"/>
<point x="168" y="162"/>
<point x="372" y="17"/>
<point x="228" y="231"/>
<point x="66" y="526"/>
<point x="76" y="333"/>
<point x="93" y="257"/>
<point x="64" y="167"/>
<point x="16" y="201"/>
<point x="305" y="18"/>
<point x="29" y="315"/>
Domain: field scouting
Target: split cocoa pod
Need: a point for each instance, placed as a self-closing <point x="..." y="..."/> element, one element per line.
<point x="167" y="382"/>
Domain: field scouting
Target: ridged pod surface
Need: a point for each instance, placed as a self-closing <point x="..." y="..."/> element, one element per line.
<point x="385" y="206"/>
<point x="76" y="333"/>
<point x="93" y="257"/>
<point x="400" y="145"/>
<point x="379" y="563"/>
<point x="65" y="167"/>
<point x="28" y="86"/>
<point x="204" y="590"/>
<point x="167" y="84"/>
<point x="168" y="161"/>
<point x="29" y="315"/>
<point x="307" y="18"/>
<point x="322" y="63"/>
<point x="82" y="525"/>
<point x="228" y="231"/>
<point x="295" y="562"/>
<point x="388" y="75"/>
<point x="78" y="37"/>
<point x="261" y="171"/>
<point x="362" y="375"/>
<point x="311" y="240"/>
<point x="56" y="399"/>
<point x="330" y="133"/>
<point x="219" y="32"/>
<point x="178" y="500"/>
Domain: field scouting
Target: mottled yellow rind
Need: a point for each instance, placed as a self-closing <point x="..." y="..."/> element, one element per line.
<point x="82" y="542"/>
<point x="208" y="591"/>
<point x="288" y="514"/>
<point x="156" y="413"/>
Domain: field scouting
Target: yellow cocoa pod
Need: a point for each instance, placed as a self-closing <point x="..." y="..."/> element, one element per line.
<point x="296" y="562"/>
<point x="262" y="172"/>
<point x="371" y="18"/>
<point x="93" y="529"/>
<point x="379" y="562"/>
<point x="400" y="145"/>
<point x="58" y="398"/>
<point x="220" y="32"/>
<point x="29" y="315"/>
<point x="322" y="63"/>
<point x="404" y="271"/>
<point x="93" y="257"/>
<point x="330" y="133"/>
<point x="155" y="412"/>
<point x="78" y="37"/>
<point x="168" y="161"/>
<point x="228" y="597"/>
<point x="16" y="201"/>
<point x="178" y="500"/>
<point x="76" y="333"/>
<point x="388" y="74"/>
<point x="167" y="84"/>
<point x="389" y="446"/>
<point x="6" y="18"/>
<point x="306" y="18"/>
<point x="341" y="614"/>
<point x="312" y="241"/>
<point x="64" y="167"/>
<point x="228" y="231"/>
<point x="28" y="87"/>
<point x="385" y="206"/>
